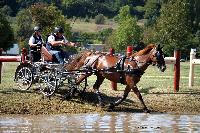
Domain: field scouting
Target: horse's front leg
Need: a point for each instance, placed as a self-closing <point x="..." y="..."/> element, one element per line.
<point x="77" y="82"/>
<point x="137" y="92"/>
<point x="126" y="92"/>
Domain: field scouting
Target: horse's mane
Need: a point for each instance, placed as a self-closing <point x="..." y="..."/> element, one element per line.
<point x="144" y="51"/>
<point x="75" y="61"/>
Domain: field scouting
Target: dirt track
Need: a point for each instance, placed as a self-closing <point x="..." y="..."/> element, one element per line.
<point x="31" y="102"/>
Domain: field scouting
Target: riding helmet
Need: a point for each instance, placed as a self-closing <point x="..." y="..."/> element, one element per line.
<point x="58" y="29"/>
<point x="37" y="28"/>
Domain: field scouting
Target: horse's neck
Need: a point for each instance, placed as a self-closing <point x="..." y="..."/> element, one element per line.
<point x="143" y="61"/>
<point x="75" y="64"/>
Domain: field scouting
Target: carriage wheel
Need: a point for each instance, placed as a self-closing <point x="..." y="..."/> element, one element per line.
<point x="24" y="77"/>
<point x="47" y="82"/>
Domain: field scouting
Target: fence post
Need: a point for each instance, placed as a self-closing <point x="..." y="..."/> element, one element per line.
<point x="177" y="55"/>
<point x="1" y="50"/>
<point x="113" y="84"/>
<point x="24" y="53"/>
<point x="191" y="73"/>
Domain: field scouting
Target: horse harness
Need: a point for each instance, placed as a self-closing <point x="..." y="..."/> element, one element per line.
<point x="119" y="67"/>
<point x="133" y="71"/>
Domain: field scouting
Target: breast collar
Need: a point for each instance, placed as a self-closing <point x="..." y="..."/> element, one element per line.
<point x="139" y="63"/>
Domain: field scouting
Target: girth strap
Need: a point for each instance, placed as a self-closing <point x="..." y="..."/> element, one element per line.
<point x="120" y="63"/>
<point x="120" y="66"/>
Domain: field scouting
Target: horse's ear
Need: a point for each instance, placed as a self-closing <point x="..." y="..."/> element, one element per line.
<point x="158" y="47"/>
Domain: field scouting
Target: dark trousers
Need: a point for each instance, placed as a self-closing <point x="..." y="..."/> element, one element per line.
<point x="36" y="56"/>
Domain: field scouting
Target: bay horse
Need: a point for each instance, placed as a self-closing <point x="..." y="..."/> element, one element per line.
<point x="77" y="61"/>
<point x="127" y="71"/>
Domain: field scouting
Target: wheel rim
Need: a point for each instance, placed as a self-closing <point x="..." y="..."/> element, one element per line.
<point x="47" y="82"/>
<point x="24" y="78"/>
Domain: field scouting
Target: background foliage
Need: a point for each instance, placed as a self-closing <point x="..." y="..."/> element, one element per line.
<point x="173" y="23"/>
<point x="128" y="32"/>
<point x="6" y="33"/>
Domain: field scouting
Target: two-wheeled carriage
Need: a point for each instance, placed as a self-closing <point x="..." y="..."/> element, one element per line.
<point x="48" y="76"/>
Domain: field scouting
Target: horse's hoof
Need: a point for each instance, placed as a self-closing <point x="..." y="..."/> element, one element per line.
<point x="111" y="106"/>
<point x="146" y="111"/>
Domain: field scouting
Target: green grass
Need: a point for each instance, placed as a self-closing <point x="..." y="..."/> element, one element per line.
<point x="153" y="79"/>
<point x="164" y="82"/>
<point x="81" y="26"/>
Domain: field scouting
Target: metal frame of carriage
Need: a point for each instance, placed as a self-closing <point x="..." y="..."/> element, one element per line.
<point x="48" y="75"/>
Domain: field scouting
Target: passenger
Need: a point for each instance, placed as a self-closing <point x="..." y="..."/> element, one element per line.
<point x="55" y="42"/>
<point x="35" y="43"/>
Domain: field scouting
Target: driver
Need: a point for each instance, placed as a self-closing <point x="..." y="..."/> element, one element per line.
<point x="35" y="43"/>
<point x="54" y="43"/>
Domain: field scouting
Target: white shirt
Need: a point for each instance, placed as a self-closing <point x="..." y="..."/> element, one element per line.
<point x="32" y="39"/>
<point x="52" y="38"/>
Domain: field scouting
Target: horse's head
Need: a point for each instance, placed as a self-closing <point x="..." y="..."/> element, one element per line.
<point x="158" y="58"/>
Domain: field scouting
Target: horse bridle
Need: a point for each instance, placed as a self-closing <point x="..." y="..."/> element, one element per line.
<point x="159" y="58"/>
<point x="158" y="55"/>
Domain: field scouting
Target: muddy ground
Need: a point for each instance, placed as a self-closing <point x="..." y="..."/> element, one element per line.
<point x="32" y="102"/>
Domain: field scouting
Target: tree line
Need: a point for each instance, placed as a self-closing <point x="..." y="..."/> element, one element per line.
<point x="175" y="24"/>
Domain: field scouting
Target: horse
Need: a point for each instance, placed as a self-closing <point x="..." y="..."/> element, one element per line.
<point x="126" y="70"/>
<point x="77" y="61"/>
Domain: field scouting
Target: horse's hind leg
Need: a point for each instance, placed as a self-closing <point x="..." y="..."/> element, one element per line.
<point x="96" y="86"/>
<point x="126" y="92"/>
<point x="78" y="81"/>
<point x="137" y="92"/>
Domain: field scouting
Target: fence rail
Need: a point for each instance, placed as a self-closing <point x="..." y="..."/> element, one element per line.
<point x="19" y="58"/>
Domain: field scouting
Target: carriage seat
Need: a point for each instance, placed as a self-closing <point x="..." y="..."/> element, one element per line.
<point x="47" y="56"/>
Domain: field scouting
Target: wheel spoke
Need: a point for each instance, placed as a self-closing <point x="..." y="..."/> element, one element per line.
<point x="47" y="82"/>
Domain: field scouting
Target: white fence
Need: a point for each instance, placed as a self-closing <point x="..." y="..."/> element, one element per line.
<point x="193" y="62"/>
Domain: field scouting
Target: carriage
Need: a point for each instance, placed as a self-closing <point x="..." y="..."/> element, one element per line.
<point x="47" y="75"/>
<point x="126" y="71"/>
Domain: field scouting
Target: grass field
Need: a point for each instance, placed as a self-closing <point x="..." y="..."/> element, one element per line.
<point x="152" y="81"/>
<point x="156" y="89"/>
<point x="81" y="26"/>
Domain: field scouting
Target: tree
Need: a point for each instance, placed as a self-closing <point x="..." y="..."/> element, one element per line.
<point x="6" y="33"/>
<point x="12" y="4"/>
<point x="103" y="34"/>
<point x="152" y="11"/>
<point x="172" y="29"/>
<point x="24" y="27"/>
<point x="195" y="15"/>
<point x="49" y="17"/>
<point x="99" y="19"/>
<point x="128" y="32"/>
<point x="6" y="10"/>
